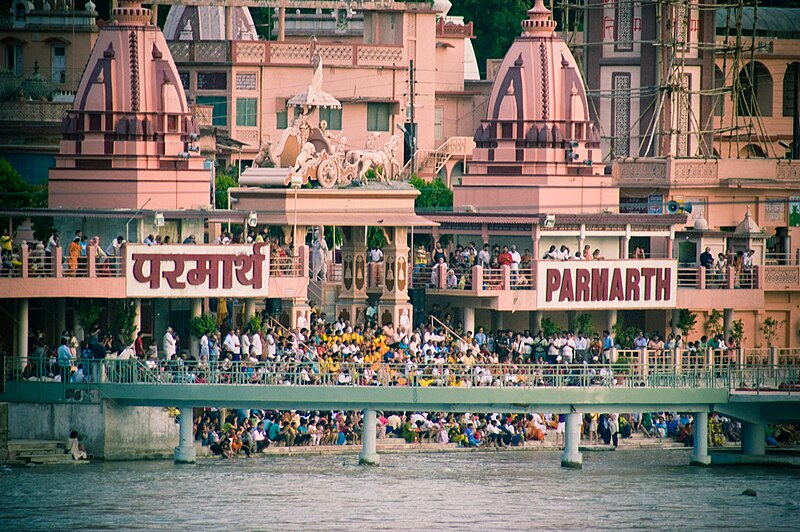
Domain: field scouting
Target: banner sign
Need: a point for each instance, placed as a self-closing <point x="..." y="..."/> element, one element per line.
<point x="197" y="270"/>
<point x="607" y="284"/>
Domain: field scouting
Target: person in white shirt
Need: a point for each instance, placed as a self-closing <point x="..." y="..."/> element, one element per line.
<point x="244" y="343"/>
<point x="204" y="351"/>
<point x="484" y="257"/>
<point x="170" y="344"/>
<point x="231" y="342"/>
<point x="271" y="347"/>
<point x="376" y="255"/>
<point x="256" y="345"/>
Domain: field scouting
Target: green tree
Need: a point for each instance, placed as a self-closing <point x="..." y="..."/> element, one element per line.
<point x="496" y="25"/>
<point x="432" y="196"/>
<point x="770" y="329"/>
<point x="624" y="336"/>
<point x="549" y="327"/>
<point x="714" y="324"/>
<point x="737" y="331"/>
<point x="202" y="324"/>
<point x="125" y="319"/>
<point x="583" y="323"/>
<point x="686" y="322"/>
<point x="225" y="179"/>
<point x="376" y="238"/>
<point x="89" y="311"/>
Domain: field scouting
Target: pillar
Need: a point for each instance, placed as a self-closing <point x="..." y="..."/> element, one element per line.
<point x="22" y="333"/>
<point x="753" y="439"/>
<point x="469" y="319"/>
<point x="571" y="456"/>
<point x="249" y="308"/>
<point x="196" y="310"/>
<point x="185" y="453"/>
<point x="728" y="322"/>
<point x="676" y="318"/>
<point x="60" y="319"/>
<point x="137" y="317"/>
<point x="535" y="321"/>
<point x="352" y="300"/>
<point x="229" y="23"/>
<point x="611" y="319"/>
<point x="281" y="23"/>
<point x="394" y="305"/>
<point x="497" y="320"/>
<point x="154" y="22"/>
<point x="700" y="453"/>
<point x="369" y="454"/>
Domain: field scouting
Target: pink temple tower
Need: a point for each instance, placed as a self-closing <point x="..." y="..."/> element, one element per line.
<point x="537" y="150"/>
<point x="127" y="140"/>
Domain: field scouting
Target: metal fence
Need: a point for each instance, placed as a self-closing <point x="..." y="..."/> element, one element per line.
<point x="92" y="373"/>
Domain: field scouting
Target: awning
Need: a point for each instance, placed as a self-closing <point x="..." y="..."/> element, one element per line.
<point x="342" y="219"/>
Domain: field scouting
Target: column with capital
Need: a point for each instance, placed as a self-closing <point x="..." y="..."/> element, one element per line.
<point x="352" y="301"/>
<point x="394" y="306"/>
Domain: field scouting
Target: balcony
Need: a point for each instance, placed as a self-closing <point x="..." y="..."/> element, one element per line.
<point x="452" y="29"/>
<point x="31" y="274"/>
<point x="332" y="54"/>
<point x="707" y="172"/>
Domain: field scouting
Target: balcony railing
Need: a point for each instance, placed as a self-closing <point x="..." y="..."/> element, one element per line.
<point x="727" y="279"/>
<point x="36" y="264"/>
<point x="298" y="53"/>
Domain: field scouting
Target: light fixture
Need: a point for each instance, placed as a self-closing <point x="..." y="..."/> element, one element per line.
<point x="252" y="219"/>
<point x="550" y="221"/>
<point x="158" y="221"/>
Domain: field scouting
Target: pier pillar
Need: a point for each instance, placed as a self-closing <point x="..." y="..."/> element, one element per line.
<point x="21" y="346"/>
<point x="185" y="453"/>
<point x="571" y="456"/>
<point x="727" y="322"/>
<point x="676" y="318"/>
<point x="611" y="319"/>
<point x="469" y="319"/>
<point x="60" y="319"/>
<point x="497" y="320"/>
<point x="700" y="453"/>
<point x="536" y="321"/>
<point x="196" y="311"/>
<point x="753" y="440"/>
<point x="369" y="454"/>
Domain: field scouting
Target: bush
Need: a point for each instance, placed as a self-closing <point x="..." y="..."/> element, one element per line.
<point x="255" y="324"/>
<point x="203" y="324"/>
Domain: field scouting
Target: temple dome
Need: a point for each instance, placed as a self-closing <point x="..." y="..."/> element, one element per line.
<point x="538" y="79"/>
<point x="207" y="23"/>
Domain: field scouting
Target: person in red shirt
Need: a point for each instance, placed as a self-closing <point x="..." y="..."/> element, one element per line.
<point x="138" y="345"/>
<point x="505" y="257"/>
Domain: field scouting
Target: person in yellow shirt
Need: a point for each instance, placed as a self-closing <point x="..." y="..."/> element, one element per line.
<point x="6" y="244"/>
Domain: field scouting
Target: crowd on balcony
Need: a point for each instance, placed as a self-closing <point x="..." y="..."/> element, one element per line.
<point x="717" y="268"/>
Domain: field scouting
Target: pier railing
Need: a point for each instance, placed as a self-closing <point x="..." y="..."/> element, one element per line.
<point x="95" y="373"/>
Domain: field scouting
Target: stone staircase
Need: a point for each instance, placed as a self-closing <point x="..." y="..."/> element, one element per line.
<point x="323" y="294"/>
<point x="40" y="452"/>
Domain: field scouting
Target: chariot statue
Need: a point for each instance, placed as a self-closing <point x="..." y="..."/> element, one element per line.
<point x="306" y="153"/>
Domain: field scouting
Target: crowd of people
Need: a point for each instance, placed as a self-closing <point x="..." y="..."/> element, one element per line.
<point x="248" y="432"/>
<point x="740" y="262"/>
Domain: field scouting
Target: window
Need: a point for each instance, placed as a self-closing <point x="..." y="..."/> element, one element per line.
<point x="14" y="58"/>
<point x="790" y="88"/>
<point x="377" y="117"/>
<point x="333" y="117"/>
<point x="58" y="64"/>
<point x="184" y="77"/>
<point x="212" y="81"/>
<point x="220" y="105"/>
<point x="283" y="119"/>
<point x="438" y="119"/>
<point x="246" y="111"/>
<point x="756" y="96"/>
<point x="719" y="95"/>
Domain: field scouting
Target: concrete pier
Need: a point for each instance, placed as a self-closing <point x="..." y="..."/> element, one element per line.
<point x="185" y="452"/>
<point x="700" y="453"/>
<point x="571" y="457"/>
<point x="369" y="454"/>
<point x="753" y="439"/>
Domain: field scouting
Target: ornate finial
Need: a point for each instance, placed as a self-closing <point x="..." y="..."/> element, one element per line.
<point x="539" y="22"/>
<point x="108" y="53"/>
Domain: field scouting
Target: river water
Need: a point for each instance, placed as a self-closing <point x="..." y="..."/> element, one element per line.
<point x="642" y="489"/>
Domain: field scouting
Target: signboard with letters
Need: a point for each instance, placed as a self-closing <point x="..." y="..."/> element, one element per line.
<point x="607" y="284"/>
<point x="197" y="271"/>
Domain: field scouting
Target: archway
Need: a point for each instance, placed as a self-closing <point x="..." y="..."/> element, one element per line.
<point x="752" y="150"/>
<point x="756" y="90"/>
<point x="790" y="82"/>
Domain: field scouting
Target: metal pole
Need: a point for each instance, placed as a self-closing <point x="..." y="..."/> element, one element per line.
<point x="413" y="139"/>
